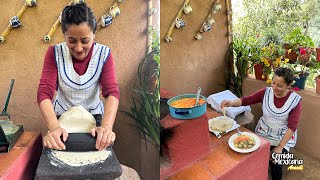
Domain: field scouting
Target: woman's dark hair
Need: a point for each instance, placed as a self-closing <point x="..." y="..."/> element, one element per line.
<point x="286" y="73"/>
<point x="77" y="14"/>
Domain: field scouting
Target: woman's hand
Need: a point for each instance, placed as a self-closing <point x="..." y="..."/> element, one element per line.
<point x="277" y="149"/>
<point x="225" y="103"/>
<point x="52" y="139"/>
<point x="105" y="136"/>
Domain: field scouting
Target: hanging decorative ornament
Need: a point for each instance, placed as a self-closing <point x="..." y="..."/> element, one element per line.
<point x="152" y="11"/>
<point x="180" y="23"/>
<point x="211" y="21"/>
<point x="15" y="20"/>
<point x="78" y="1"/>
<point x="198" y="36"/>
<point x="55" y="25"/>
<point x="31" y="3"/>
<point x="208" y="23"/>
<point x="216" y="7"/>
<point x="168" y="39"/>
<point x="60" y="17"/>
<point x="206" y="27"/>
<point x="106" y="20"/>
<point x="187" y="9"/>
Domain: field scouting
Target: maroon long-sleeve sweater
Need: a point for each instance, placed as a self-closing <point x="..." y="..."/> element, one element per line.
<point x="294" y="115"/>
<point x="48" y="81"/>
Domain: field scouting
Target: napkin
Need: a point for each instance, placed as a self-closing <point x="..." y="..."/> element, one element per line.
<point x="215" y="100"/>
<point x="219" y="134"/>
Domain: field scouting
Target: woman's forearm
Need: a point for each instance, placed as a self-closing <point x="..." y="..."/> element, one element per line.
<point x="236" y="103"/>
<point x="286" y="138"/>
<point x="48" y="114"/>
<point x="110" y="111"/>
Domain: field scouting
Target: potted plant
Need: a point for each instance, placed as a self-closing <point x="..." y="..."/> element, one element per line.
<point x="317" y="79"/>
<point x="296" y="40"/>
<point x="318" y="52"/>
<point x="145" y="110"/>
<point x="301" y="69"/>
<point x="237" y="64"/>
<point x="314" y="68"/>
<point x="272" y="57"/>
<point x="254" y="59"/>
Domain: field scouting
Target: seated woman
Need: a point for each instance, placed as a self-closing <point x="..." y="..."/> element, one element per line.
<point x="281" y="113"/>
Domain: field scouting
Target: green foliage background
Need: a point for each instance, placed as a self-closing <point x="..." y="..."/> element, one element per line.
<point x="253" y="17"/>
<point x="275" y="19"/>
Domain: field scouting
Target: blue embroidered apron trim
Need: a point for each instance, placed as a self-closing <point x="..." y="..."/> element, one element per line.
<point x="56" y="102"/>
<point x="64" y="68"/>
<point x="294" y="102"/>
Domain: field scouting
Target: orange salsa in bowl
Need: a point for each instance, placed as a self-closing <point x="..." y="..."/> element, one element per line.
<point x="186" y="103"/>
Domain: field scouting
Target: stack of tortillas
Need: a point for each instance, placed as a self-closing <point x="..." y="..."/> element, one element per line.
<point x="77" y="120"/>
<point x="222" y="123"/>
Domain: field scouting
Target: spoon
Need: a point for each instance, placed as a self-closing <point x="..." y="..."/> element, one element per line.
<point x="198" y="96"/>
<point x="238" y="132"/>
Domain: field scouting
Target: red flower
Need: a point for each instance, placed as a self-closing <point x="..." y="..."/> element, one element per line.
<point x="296" y="89"/>
<point x="303" y="51"/>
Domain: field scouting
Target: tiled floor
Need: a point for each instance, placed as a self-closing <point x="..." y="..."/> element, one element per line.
<point x="311" y="170"/>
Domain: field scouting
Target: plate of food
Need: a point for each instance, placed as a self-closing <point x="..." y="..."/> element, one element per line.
<point x="220" y="124"/>
<point x="245" y="143"/>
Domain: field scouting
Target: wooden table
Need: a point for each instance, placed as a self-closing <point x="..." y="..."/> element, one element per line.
<point x="22" y="160"/>
<point x="224" y="163"/>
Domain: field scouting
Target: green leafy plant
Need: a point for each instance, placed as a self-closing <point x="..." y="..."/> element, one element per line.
<point x="146" y="96"/>
<point x="237" y="65"/>
<point x="271" y="36"/>
<point x="305" y="64"/>
<point x="272" y="57"/>
<point x="297" y="39"/>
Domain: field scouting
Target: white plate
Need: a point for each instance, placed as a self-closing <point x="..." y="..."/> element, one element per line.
<point x="255" y="147"/>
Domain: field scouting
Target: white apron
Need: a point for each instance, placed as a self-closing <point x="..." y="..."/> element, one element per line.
<point x="273" y="124"/>
<point x="81" y="90"/>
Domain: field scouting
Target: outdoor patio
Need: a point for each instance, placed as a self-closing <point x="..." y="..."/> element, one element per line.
<point x="204" y="166"/>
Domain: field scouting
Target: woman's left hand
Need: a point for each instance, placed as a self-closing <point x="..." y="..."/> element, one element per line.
<point x="105" y="136"/>
<point x="277" y="149"/>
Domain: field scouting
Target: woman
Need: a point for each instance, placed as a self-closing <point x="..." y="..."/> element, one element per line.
<point x="77" y="68"/>
<point x="281" y="113"/>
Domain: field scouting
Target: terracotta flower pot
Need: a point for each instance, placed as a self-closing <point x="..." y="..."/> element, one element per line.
<point x="318" y="54"/>
<point x="300" y="82"/>
<point x="258" y="72"/>
<point x="304" y="57"/>
<point x="292" y="56"/>
<point x="318" y="85"/>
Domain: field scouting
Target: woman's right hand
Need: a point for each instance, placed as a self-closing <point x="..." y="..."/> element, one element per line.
<point x="225" y="103"/>
<point x="52" y="139"/>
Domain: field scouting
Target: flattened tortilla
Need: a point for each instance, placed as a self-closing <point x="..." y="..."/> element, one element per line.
<point x="77" y="120"/>
<point x="221" y="124"/>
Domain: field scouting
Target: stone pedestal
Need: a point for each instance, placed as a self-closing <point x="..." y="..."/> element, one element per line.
<point x="22" y="160"/>
<point x="108" y="169"/>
